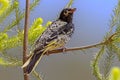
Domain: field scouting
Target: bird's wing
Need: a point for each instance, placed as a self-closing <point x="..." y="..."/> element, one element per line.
<point x="50" y="34"/>
<point x="48" y="39"/>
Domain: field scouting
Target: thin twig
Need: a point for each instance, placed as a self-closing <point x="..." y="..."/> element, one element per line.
<point x="25" y="42"/>
<point x="73" y="49"/>
<point x="69" y="4"/>
<point x="17" y="18"/>
<point x="86" y="47"/>
<point x="96" y="70"/>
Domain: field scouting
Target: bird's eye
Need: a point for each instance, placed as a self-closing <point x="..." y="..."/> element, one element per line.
<point x="67" y="12"/>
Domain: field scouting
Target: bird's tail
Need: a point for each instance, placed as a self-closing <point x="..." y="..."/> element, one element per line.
<point x="32" y="62"/>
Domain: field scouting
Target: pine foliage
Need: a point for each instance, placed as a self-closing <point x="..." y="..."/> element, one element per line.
<point x="111" y="48"/>
<point x="8" y="42"/>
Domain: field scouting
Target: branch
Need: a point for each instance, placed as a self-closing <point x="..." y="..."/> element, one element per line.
<point x="25" y="42"/>
<point x="86" y="47"/>
<point x="73" y="49"/>
<point x="96" y="70"/>
<point x="69" y="4"/>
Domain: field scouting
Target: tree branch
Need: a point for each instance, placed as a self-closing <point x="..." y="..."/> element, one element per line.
<point x="86" y="47"/>
<point x="73" y="49"/>
<point x="25" y="42"/>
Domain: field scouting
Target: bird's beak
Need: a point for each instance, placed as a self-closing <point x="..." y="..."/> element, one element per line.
<point x="72" y="10"/>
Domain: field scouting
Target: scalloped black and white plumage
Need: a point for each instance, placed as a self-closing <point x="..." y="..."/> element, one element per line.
<point x="54" y="37"/>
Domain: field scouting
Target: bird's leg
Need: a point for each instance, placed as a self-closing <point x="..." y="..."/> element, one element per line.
<point x="64" y="49"/>
<point x="47" y="53"/>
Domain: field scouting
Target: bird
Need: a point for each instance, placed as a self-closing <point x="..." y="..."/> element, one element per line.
<point x="54" y="37"/>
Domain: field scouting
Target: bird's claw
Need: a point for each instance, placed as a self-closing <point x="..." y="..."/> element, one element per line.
<point x="47" y="53"/>
<point x="64" y="50"/>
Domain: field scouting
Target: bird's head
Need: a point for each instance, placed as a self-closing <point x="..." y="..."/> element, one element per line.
<point x="67" y="14"/>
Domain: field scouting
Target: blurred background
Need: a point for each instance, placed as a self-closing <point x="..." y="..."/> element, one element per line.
<point x="91" y="20"/>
